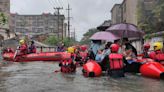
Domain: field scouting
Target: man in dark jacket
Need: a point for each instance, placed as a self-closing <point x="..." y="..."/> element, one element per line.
<point x="129" y="46"/>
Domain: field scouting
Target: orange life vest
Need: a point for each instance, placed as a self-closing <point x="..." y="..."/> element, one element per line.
<point x="116" y="61"/>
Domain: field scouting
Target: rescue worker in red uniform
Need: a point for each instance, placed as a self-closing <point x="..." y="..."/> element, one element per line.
<point x="23" y="47"/>
<point x="145" y="52"/>
<point x="81" y="55"/>
<point x="116" y="64"/>
<point x="157" y="53"/>
<point x="68" y="66"/>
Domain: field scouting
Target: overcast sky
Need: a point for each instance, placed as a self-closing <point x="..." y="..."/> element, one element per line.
<point x="86" y="13"/>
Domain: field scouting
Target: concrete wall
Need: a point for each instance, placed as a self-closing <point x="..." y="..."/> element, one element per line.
<point x="116" y="14"/>
<point x="129" y="11"/>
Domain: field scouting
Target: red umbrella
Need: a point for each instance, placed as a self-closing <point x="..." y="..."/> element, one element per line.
<point x="104" y="36"/>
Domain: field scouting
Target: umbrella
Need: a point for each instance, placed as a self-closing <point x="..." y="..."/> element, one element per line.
<point x="104" y="36"/>
<point x="125" y="30"/>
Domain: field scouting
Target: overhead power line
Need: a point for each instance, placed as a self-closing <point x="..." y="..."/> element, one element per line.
<point x="51" y="4"/>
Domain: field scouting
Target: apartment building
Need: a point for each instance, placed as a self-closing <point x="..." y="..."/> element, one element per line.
<point x="45" y="23"/>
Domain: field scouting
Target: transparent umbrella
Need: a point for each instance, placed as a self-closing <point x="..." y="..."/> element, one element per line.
<point x="104" y="36"/>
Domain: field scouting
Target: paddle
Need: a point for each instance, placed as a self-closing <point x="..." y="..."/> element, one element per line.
<point x="16" y="52"/>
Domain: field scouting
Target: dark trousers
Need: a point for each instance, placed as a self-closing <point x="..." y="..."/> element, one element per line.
<point x="133" y="67"/>
<point x="116" y="73"/>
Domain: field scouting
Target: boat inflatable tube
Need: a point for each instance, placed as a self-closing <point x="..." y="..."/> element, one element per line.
<point x="152" y="70"/>
<point x="44" y="56"/>
<point x="91" y="69"/>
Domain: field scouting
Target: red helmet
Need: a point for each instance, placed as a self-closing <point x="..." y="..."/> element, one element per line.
<point x="83" y="47"/>
<point x="114" y="47"/>
<point x="147" y="46"/>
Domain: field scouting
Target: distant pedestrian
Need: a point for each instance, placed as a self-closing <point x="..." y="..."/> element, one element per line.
<point x="61" y="48"/>
<point x="32" y="48"/>
<point x="93" y="50"/>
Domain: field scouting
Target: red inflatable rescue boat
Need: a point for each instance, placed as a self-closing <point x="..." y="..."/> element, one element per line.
<point x="91" y="69"/>
<point x="157" y="57"/>
<point x="152" y="70"/>
<point x="43" y="56"/>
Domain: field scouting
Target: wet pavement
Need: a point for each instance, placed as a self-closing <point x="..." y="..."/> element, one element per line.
<point x="40" y="77"/>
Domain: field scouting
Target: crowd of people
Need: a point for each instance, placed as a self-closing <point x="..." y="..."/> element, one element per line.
<point x="120" y="56"/>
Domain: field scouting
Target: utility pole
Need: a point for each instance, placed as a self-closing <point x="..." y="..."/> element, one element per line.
<point x="58" y="11"/>
<point x="74" y="34"/>
<point x="68" y="21"/>
<point x="62" y="25"/>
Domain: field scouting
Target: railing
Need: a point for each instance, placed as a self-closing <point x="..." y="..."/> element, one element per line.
<point x="46" y="49"/>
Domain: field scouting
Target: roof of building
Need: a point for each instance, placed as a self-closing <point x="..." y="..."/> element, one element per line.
<point x="104" y="25"/>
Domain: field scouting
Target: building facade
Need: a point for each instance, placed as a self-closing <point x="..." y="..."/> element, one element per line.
<point x="45" y="23"/>
<point x="127" y="10"/>
<point x="116" y="14"/>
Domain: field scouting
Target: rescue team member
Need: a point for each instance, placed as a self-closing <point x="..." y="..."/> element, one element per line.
<point x="23" y="47"/>
<point x="157" y="51"/>
<point x="118" y="42"/>
<point x="145" y="52"/>
<point x="32" y="48"/>
<point x="72" y="51"/>
<point x="115" y="63"/>
<point x="68" y="66"/>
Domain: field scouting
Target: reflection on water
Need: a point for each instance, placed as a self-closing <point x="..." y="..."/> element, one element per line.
<point x="40" y="77"/>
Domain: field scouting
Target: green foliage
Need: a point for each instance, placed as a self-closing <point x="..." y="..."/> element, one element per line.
<point x="85" y="42"/>
<point x="91" y="32"/>
<point x="151" y="21"/>
<point x="3" y="19"/>
<point x="52" y="40"/>
<point x="87" y="35"/>
<point x="68" y="42"/>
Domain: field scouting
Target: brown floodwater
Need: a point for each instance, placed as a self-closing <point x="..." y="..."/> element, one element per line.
<point x="40" y="77"/>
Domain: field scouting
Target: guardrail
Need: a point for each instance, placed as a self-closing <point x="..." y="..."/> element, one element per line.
<point x="46" y="49"/>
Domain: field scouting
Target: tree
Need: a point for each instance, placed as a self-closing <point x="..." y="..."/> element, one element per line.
<point x="54" y="41"/>
<point x="3" y="23"/>
<point x="158" y="12"/>
<point x="3" y="19"/>
<point x="87" y="35"/>
<point x="69" y="41"/>
<point x="151" y="20"/>
<point x="51" y="40"/>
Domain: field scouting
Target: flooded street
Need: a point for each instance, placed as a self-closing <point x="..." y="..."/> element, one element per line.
<point x="40" y="77"/>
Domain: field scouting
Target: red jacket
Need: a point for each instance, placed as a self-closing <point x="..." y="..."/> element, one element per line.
<point x="23" y="49"/>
